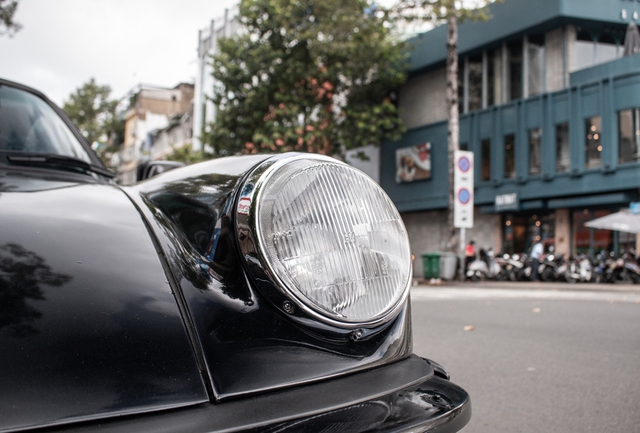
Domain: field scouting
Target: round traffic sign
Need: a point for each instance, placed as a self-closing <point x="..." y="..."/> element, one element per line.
<point x="464" y="196"/>
<point x="464" y="164"/>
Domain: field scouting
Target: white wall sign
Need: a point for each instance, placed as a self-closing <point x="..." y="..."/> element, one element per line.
<point x="463" y="189"/>
<point x="507" y="202"/>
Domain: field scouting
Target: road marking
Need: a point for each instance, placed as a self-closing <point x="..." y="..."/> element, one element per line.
<point x="443" y="293"/>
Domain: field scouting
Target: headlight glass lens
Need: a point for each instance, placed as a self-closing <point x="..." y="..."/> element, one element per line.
<point x="334" y="239"/>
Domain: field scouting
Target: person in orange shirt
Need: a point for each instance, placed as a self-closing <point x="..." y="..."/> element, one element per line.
<point x="469" y="255"/>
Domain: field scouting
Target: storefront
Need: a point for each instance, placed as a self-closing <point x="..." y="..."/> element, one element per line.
<point x="522" y="230"/>
<point x="592" y="241"/>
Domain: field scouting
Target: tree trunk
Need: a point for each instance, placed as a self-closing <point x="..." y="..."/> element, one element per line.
<point x="453" y="129"/>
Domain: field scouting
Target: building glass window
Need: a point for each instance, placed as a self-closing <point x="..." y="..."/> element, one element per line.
<point x="581" y="238"/>
<point x="493" y="84"/>
<point x="461" y="88"/>
<point x="536" y="56"/>
<point x="486" y="159"/>
<point x="593" y="145"/>
<point x="629" y="136"/>
<point x="535" y="153"/>
<point x="514" y="70"/>
<point x="509" y="156"/>
<point x="475" y="83"/>
<point x="603" y="240"/>
<point x="521" y="231"/>
<point x="563" y="157"/>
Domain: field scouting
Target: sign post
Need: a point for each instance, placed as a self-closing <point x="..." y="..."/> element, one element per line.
<point x="463" y="190"/>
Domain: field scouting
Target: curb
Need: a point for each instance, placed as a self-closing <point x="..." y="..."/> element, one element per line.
<point x="524" y="285"/>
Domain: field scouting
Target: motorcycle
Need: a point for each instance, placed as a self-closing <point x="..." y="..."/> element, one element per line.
<point x="522" y="272"/>
<point x="578" y="269"/>
<point x="548" y="269"/>
<point x="603" y="268"/>
<point x="485" y="267"/>
<point x="630" y="271"/>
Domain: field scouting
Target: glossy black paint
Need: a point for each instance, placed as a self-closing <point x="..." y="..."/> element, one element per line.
<point x="249" y="344"/>
<point x="88" y="324"/>
<point x="137" y="302"/>
<point x="404" y="396"/>
<point x="95" y="160"/>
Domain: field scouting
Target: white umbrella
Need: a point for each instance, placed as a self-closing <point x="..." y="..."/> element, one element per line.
<point x="623" y="221"/>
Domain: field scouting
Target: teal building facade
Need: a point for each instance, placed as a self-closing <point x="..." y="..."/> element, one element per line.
<point x="549" y="106"/>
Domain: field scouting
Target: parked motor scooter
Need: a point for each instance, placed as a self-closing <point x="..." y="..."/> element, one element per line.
<point x="630" y="272"/>
<point x="548" y="269"/>
<point x="606" y="268"/>
<point x="512" y="267"/>
<point x="578" y="269"/>
<point x="485" y="267"/>
<point x="523" y="273"/>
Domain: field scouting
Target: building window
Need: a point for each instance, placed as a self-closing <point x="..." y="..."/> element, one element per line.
<point x="563" y="157"/>
<point x="535" y="155"/>
<point x="581" y="238"/>
<point x="493" y="78"/>
<point x="593" y="145"/>
<point x="486" y="159"/>
<point x="521" y="231"/>
<point x="514" y="70"/>
<point x="629" y="136"/>
<point x="536" y="56"/>
<point x="509" y="156"/>
<point x="474" y="94"/>
<point x="461" y="74"/>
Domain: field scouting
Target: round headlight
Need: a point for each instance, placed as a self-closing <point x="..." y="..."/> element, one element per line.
<point x="332" y="239"/>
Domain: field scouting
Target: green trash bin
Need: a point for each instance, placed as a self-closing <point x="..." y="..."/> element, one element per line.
<point x="431" y="265"/>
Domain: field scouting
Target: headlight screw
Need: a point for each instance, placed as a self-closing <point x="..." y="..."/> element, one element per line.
<point x="288" y="307"/>
<point x="357" y="334"/>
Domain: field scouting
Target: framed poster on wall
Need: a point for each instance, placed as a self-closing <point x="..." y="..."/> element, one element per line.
<point x="413" y="163"/>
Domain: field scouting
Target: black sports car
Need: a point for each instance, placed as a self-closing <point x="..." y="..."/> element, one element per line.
<point x="251" y="293"/>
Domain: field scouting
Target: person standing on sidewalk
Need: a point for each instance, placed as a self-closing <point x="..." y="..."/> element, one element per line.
<point x="536" y="254"/>
<point x="469" y="255"/>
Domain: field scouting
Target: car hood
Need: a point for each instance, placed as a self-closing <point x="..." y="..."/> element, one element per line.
<point x="88" y="323"/>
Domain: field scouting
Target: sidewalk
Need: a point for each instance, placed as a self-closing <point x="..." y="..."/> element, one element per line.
<point x="527" y="285"/>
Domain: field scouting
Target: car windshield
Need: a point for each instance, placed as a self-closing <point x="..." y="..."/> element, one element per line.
<point x="29" y="125"/>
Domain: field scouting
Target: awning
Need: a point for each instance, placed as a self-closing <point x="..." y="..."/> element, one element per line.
<point x="623" y="221"/>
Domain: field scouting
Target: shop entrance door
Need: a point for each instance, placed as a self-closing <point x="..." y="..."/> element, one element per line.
<point x="522" y="230"/>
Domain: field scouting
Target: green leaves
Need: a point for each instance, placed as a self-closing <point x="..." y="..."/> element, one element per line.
<point x="7" y="11"/>
<point x="438" y="11"/>
<point x="306" y="76"/>
<point x="93" y="112"/>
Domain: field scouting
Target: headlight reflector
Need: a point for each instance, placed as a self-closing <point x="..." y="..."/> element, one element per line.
<point x="333" y="239"/>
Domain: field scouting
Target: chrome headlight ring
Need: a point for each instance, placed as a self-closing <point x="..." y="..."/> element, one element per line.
<point x="323" y="242"/>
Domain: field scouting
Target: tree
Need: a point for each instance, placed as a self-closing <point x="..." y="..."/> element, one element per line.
<point x="187" y="155"/>
<point x="7" y="25"/>
<point x="451" y="12"/>
<point x="306" y="76"/>
<point x="94" y="113"/>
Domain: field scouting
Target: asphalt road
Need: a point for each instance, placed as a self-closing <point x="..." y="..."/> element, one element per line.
<point x="537" y="360"/>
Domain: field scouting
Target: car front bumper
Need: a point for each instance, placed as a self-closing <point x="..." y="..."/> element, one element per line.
<point x="406" y="396"/>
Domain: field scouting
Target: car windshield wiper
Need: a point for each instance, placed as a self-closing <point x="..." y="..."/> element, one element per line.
<point x="59" y="160"/>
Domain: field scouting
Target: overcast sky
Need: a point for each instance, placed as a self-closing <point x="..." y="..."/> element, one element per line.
<point x="63" y="43"/>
